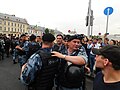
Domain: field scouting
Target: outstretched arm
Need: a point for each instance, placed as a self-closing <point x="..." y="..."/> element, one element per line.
<point x="73" y="59"/>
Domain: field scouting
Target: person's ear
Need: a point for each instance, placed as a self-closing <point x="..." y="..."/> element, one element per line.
<point x="106" y="61"/>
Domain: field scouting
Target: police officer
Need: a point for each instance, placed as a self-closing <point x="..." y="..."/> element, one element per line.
<point x="2" y="50"/>
<point x="43" y="65"/>
<point x="75" y="57"/>
<point x="14" y="55"/>
<point x="33" y="46"/>
<point x="7" y="46"/>
<point x="22" y="49"/>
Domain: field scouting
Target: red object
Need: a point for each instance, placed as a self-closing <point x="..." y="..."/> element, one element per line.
<point x="69" y="31"/>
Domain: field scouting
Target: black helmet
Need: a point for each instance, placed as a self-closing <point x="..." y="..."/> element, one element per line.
<point x="74" y="73"/>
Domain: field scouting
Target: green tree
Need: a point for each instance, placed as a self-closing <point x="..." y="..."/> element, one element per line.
<point x="46" y="30"/>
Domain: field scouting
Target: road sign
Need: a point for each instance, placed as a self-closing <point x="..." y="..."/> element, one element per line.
<point x="108" y="11"/>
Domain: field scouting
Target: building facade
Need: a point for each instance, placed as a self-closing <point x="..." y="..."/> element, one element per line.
<point x="36" y="30"/>
<point x="12" y="25"/>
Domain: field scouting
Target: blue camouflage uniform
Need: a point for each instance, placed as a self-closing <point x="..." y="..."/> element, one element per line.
<point x="22" y="59"/>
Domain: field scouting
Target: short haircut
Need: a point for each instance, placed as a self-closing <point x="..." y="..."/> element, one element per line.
<point x="48" y="37"/>
<point x="60" y="35"/>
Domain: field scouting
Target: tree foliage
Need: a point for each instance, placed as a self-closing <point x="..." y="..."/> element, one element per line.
<point x="46" y="30"/>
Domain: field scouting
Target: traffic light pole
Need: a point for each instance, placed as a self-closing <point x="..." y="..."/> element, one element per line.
<point x="91" y="30"/>
<point x="89" y="14"/>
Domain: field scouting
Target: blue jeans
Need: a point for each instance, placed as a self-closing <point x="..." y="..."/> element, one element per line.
<point x="92" y="62"/>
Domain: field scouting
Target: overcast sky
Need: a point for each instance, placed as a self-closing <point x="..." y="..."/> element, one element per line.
<point x="65" y="15"/>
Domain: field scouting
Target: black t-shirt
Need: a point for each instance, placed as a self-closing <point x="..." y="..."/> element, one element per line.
<point x="99" y="84"/>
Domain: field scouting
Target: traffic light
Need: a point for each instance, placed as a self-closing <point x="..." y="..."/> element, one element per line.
<point x="91" y="19"/>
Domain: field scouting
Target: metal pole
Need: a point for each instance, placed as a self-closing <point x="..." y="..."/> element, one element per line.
<point x="91" y="30"/>
<point x="89" y="14"/>
<point x="107" y="21"/>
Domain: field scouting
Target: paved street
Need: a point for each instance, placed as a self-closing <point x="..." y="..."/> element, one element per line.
<point x="10" y="72"/>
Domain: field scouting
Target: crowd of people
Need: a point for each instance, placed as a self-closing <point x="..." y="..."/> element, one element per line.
<point x="62" y="61"/>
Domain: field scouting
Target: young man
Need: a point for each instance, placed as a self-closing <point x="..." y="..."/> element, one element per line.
<point x="59" y="45"/>
<point x="108" y="59"/>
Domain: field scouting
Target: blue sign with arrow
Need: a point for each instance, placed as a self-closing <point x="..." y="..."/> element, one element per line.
<point x="108" y="11"/>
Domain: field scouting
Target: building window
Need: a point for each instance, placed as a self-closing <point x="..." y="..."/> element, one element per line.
<point x="11" y="24"/>
<point x="23" y="26"/>
<point x="8" y="29"/>
<point x="12" y="30"/>
<point x="4" y="28"/>
<point x="18" y="25"/>
<point x="0" y="28"/>
<point x="15" y="24"/>
<point x="4" y="22"/>
<point x="18" y="30"/>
